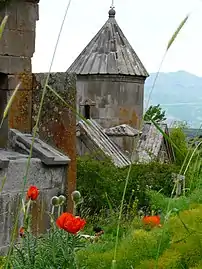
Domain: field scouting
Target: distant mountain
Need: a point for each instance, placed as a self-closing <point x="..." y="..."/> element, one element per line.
<point x="179" y="93"/>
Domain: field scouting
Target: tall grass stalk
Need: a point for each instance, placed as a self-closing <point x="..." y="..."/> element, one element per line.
<point x="34" y="136"/>
<point x="171" y="41"/>
<point x="3" y="24"/>
<point x="9" y="104"/>
<point x="119" y="219"/>
<point x="191" y="157"/>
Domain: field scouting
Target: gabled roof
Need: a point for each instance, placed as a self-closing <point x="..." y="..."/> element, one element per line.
<point x="109" y="52"/>
<point x="91" y="131"/>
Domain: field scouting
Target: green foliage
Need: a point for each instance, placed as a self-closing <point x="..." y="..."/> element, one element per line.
<point x="137" y="245"/>
<point x="55" y="250"/>
<point x="3" y="262"/>
<point x="155" y="113"/>
<point x="179" y="139"/>
<point x="158" y="200"/>
<point x="180" y="248"/>
<point x="98" y="178"/>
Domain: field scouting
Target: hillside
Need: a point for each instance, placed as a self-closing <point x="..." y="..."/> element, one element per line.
<point x="180" y="94"/>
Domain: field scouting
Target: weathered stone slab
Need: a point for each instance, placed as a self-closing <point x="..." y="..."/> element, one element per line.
<point x="47" y="154"/>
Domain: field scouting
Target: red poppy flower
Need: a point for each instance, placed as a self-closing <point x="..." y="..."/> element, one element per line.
<point x="32" y="193"/>
<point x="70" y="223"/>
<point x="152" y="220"/>
<point x="22" y="231"/>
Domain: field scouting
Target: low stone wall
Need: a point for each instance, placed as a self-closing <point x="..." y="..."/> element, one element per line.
<point x="49" y="178"/>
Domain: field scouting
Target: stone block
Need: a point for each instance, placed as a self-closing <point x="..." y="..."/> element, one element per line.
<point x="12" y="64"/>
<point x="27" y="15"/>
<point x="12" y="17"/>
<point x="17" y="43"/>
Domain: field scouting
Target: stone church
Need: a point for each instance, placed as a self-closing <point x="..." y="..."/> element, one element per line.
<point x="110" y="78"/>
<point x="110" y="94"/>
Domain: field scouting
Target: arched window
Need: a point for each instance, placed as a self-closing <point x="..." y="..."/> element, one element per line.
<point x="87" y="111"/>
<point x="87" y="105"/>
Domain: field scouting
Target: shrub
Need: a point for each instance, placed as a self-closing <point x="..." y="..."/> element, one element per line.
<point x="158" y="200"/>
<point x="98" y="178"/>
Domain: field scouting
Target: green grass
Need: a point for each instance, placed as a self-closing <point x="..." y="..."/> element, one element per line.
<point x="181" y="247"/>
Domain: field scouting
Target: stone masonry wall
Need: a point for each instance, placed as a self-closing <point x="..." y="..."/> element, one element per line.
<point x="57" y="124"/>
<point x="17" y="46"/>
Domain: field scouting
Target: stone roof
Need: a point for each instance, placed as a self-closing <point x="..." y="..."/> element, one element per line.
<point x="150" y="143"/>
<point x="93" y="136"/>
<point x="121" y="130"/>
<point x="109" y="52"/>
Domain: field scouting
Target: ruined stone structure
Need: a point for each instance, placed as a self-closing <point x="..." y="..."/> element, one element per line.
<point x="48" y="170"/>
<point x="57" y="122"/>
<point x="48" y="167"/>
<point x="110" y="78"/>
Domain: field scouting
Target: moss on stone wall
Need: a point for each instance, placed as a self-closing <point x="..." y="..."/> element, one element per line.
<point x="20" y="112"/>
<point x="55" y="121"/>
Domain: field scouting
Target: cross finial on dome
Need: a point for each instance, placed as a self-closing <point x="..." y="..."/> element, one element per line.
<point x="112" y="12"/>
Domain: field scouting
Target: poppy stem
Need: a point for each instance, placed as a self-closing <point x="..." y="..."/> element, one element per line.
<point x="52" y="211"/>
<point x="59" y="210"/>
<point x="26" y="222"/>
<point x="74" y="209"/>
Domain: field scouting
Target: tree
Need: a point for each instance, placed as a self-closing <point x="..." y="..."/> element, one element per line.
<point x="155" y="113"/>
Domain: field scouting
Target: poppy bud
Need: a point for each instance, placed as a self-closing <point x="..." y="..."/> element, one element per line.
<point x="76" y="196"/>
<point x="55" y="201"/>
<point x="62" y="199"/>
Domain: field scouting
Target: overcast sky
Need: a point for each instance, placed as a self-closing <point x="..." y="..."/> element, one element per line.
<point x="147" y="24"/>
